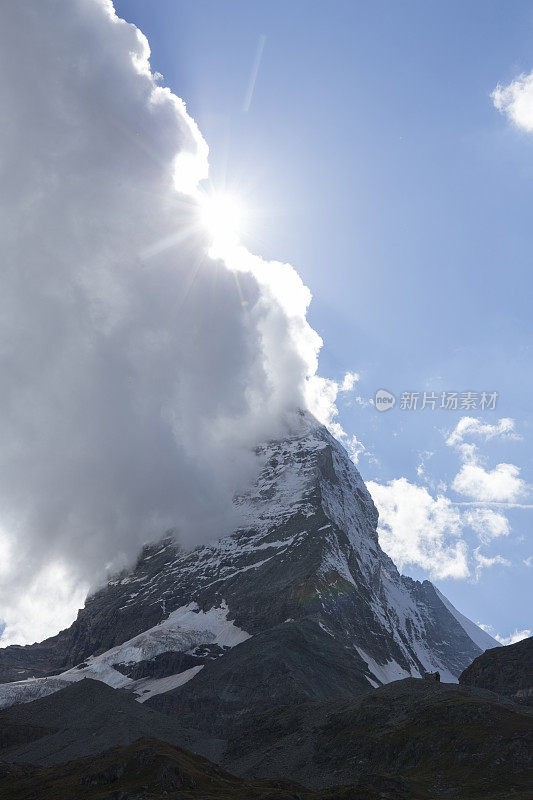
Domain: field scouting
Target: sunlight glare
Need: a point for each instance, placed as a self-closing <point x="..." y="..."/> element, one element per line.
<point x="222" y="217"/>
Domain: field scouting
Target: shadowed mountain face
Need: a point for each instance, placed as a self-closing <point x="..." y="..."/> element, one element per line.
<point x="87" y="718"/>
<point x="306" y="551"/>
<point x="409" y="740"/>
<point x="447" y="741"/>
<point x="292" y="663"/>
<point x="505" y="670"/>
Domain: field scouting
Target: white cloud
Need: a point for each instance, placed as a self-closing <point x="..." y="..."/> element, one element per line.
<point x="516" y="101"/>
<point x="349" y="381"/>
<point x="46" y="608"/>
<point x="355" y="448"/>
<point x="136" y="370"/>
<point x="424" y="457"/>
<point x="488" y="524"/>
<point x="415" y="528"/>
<point x="517" y="636"/>
<point x="322" y="394"/>
<point x="429" y="530"/>
<point x="501" y="484"/>
<point x="528" y="562"/>
<point x="469" y="427"/>
<point x="363" y="402"/>
<point x="483" y="562"/>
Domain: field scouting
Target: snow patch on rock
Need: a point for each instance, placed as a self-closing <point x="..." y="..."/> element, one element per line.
<point x="148" y="687"/>
<point x="385" y="673"/>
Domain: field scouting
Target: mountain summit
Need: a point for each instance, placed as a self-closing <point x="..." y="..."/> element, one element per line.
<point x="306" y="556"/>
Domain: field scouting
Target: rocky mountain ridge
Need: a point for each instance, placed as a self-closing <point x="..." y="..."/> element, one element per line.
<point x="508" y="671"/>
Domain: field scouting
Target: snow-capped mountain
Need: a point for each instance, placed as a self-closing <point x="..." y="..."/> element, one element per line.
<point x="307" y="550"/>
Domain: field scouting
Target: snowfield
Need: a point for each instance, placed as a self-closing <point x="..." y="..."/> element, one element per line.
<point x="183" y="631"/>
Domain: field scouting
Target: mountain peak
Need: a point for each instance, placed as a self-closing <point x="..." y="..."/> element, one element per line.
<point x="306" y="548"/>
<point x="307" y="469"/>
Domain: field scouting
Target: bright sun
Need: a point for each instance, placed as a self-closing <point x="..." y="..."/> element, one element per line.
<point x="222" y="217"/>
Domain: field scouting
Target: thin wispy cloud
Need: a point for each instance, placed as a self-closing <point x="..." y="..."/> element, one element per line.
<point x="513" y="638"/>
<point x="253" y="74"/>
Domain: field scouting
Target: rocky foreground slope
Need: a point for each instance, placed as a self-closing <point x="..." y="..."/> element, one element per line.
<point x="152" y="770"/>
<point x="306" y="553"/>
<point x="410" y="740"/>
<point x="442" y="740"/>
<point x="86" y="719"/>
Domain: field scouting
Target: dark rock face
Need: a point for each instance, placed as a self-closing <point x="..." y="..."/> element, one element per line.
<point x="306" y="550"/>
<point x="292" y="663"/>
<point x="505" y="670"/>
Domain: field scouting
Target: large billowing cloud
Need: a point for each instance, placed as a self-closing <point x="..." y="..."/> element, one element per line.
<point x="136" y="370"/>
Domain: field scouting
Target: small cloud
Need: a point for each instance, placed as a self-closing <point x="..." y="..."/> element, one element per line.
<point x="416" y="528"/>
<point x="487" y="628"/>
<point x="488" y="524"/>
<point x="528" y="561"/>
<point x="349" y="381"/>
<point x="322" y="401"/>
<point x="468" y="426"/>
<point x="322" y="395"/>
<point x="424" y="457"/>
<point x="517" y="636"/>
<point x="501" y="484"/>
<point x="483" y="562"/>
<point x="516" y="101"/>
<point x="363" y="402"/>
<point x="355" y="448"/>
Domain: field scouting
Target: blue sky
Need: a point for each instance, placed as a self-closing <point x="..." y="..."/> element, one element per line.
<point x="372" y="158"/>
